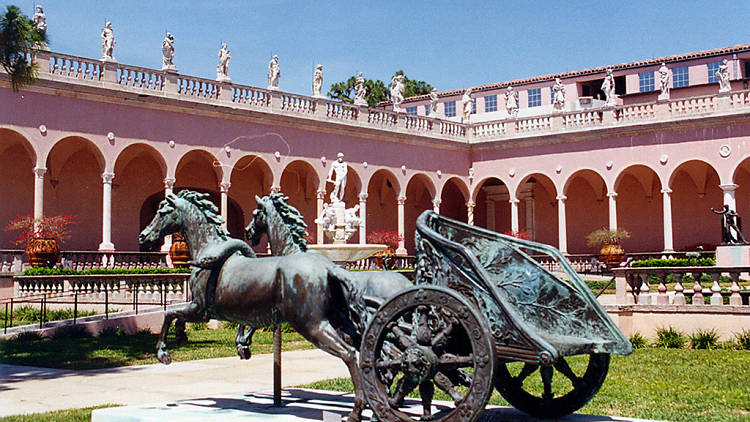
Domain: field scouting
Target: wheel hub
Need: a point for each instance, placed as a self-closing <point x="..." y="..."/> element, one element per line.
<point x="419" y="363"/>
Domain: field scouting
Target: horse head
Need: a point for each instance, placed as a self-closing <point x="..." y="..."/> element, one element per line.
<point x="254" y="231"/>
<point x="166" y="221"/>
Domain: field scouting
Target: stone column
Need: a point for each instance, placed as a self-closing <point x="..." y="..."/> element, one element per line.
<point x="562" y="230"/>
<point x="363" y="218"/>
<point x="401" y="226"/>
<point x="470" y="212"/>
<point x="224" y="189"/>
<point x="612" y="210"/>
<point x="514" y="226"/>
<point x="436" y="205"/>
<point x="168" y="186"/>
<point x="39" y="192"/>
<point x="530" y="217"/>
<point x="667" y="200"/>
<point x="107" y="244"/>
<point x="490" y="214"/>
<point x="321" y="195"/>
<point x="728" y="191"/>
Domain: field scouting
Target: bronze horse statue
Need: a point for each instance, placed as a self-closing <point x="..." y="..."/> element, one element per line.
<point x="287" y="231"/>
<point x="316" y="297"/>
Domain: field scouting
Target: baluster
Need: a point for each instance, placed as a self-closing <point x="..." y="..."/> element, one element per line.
<point x="735" y="299"/>
<point x="698" y="291"/>
<point x="644" y="296"/>
<point x="679" y="296"/>
<point x="629" y="287"/>
<point x="716" y="290"/>
<point x="64" y="67"/>
<point x="661" y="297"/>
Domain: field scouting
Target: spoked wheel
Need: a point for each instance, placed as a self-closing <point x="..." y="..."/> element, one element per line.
<point x="552" y="391"/>
<point x="427" y="338"/>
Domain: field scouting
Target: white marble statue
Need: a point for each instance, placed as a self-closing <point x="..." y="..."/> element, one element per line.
<point x="317" y="81"/>
<point x="397" y="92"/>
<point x="40" y="23"/>
<point x="467" y="104"/>
<point x="722" y="75"/>
<point x="327" y="219"/>
<point x="663" y="82"/>
<point x="274" y="72"/>
<point x="608" y="87"/>
<point x="434" y="103"/>
<point x="360" y="91"/>
<point x="352" y="219"/>
<point x="339" y="168"/>
<point x="511" y="102"/>
<point x="167" y="53"/>
<point x="108" y="43"/>
<point x="222" y="70"/>
<point x="558" y="95"/>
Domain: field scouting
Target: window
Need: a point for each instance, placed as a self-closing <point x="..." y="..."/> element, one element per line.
<point x="535" y="97"/>
<point x="450" y="108"/>
<point x="426" y="109"/>
<point x="552" y="94"/>
<point x="646" y="81"/>
<point x="490" y="103"/>
<point x="712" y="68"/>
<point x="680" y="77"/>
<point x="411" y="110"/>
<point x="473" y="106"/>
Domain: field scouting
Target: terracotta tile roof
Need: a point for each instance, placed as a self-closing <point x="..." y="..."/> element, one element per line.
<point x="601" y="69"/>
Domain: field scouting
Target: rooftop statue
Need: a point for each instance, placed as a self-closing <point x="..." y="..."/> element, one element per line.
<point x="360" y="91"/>
<point x="397" y="92"/>
<point x="558" y="98"/>
<point x="434" y="103"/>
<point x="274" y="72"/>
<point x="511" y="102"/>
<point x="468" y="104"/>
<point x="40" y="23"/>
<point x="108" y="43"/>
<point x="339" y="169"/>
<point x="317" y="81"/>
<point x="608" y="87"/>
<point x="663" y="82"/>
<point x="167" y="53"/>
<point x="722" y="75"/>
<point x="222" y="70"/>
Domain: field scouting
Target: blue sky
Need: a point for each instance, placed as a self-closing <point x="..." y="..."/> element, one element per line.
<point x="450" y="44"/>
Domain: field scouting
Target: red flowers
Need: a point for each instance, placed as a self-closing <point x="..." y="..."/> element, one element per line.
<point x="385" y="237"/>
<point x="48" y="227"/>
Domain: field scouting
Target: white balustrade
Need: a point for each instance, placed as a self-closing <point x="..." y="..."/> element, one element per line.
<point x="75" y="67"/>
<point x="635" y="112"/>
<point x="533" y="124"/>
<point x="137" y="77"/>
<point x="489" y="129"/>
<point x="197" y="87"/>
<point x="252" y="96"/>
<point x="341" y="111"/>
<point x="452" y="128"/>
<point x="693" y="105"/>
<point x="580" y="119"/>
<point x="297" y="104"/>
<point x="418" y="123"/>
<point x="382" y="118"/>
<point x="740" y="99"/>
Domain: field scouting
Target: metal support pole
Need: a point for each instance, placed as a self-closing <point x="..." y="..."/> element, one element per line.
<point x="11" y="311"/>
<point x="42" y="311"/>
<point x="5" y="328"/>
<point x="75" y="308"/>
<point x="277" y="365"/>
<point x="106" y="303"/>
<point x="164" y="296"/>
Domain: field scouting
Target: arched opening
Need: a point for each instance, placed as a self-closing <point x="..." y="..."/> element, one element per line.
<point x="695" y="190"/>
<point x="17" y="161"/>
<point x="351" y="194"/>
<point x="741" y="178"/>
<point x="640" y="209"/>
<point x="382" y="202"/>
<point x="251" y="176"/>
<point x="300" y="183"/>
<point x="73" y="186"/>
<point x="198" y="170"/>
<point x="139" y="174"/>
<point x="492" y="209"/>
<point x="419" y="195"/>
<point x="453" y="199"/>
<point x="537" y="208"/>
<point x="586" y="209"/>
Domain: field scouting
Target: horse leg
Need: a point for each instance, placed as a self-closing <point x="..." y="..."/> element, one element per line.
<point x="187" y="312"/>
<point x="179" y="332"/>
<point x="243" y="341"/>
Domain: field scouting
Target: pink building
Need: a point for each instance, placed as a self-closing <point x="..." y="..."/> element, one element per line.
<point x="105" y="141"/>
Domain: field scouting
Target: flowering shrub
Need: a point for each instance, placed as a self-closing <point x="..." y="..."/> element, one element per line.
<point x="385" y="237"/>
<point x="48" y="227"/>
<point x="519" y="234"/>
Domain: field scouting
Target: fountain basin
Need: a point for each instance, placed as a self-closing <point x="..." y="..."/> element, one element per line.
<point x="347" y="252"/>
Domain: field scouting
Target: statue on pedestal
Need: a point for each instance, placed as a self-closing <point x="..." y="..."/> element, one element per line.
<point x="722" y="75"/>
<point x="108" y="43"/>
<point x="340" y="169"/>
<point x="468" y="104"/>
<point x="664" y="82"/>
<point x="360" y="91"/>
<point x="317" y="81"/>
<point x="222" y="70"/>
<point x="40" y="24"/>
<point x="434" y="103"/>
<point x="167" y="53"/>
<point x="397" y="92"/>
<point x="558" y="99"/>
<point x="731" y="227"/>
<point x="274" y="72"/>
<point x="608" y="87"/>
<point x="511" y="102"/>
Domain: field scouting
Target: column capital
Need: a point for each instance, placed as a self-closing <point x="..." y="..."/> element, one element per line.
<point x="275" y="189"/>
<point x="666" y="190"/>
<point x="401" y="200"/>
<point x="730" y="187"/>
<point x="40" y="171"/>
<point x="320" y="194"/>
<point x="107" y="177"/>
<point x="437" y="202"/>
<point x="169" y="182"/>
<point x="612" y="194"/>
<point x="561" y="198"/>
<point x="470" y="204"/>
<point x="363" y="197"/>
<point x="224" y="186"/>
<point x="514" y="201"/>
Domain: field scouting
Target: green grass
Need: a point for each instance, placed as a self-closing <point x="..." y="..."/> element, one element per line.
<point x="654" y="383"/>
<point x="69" y="415"/>
<point x="26" y="315"/>
<point x="74" y="352"/>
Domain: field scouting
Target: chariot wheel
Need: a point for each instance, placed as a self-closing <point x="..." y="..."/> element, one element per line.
<point x="427" y="338"/>
<point x="555" y="390"/>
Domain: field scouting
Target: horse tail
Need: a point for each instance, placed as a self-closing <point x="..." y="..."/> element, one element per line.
<point x="353" y="297"/>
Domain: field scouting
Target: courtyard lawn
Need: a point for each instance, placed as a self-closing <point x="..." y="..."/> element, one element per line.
<point x="68" y="415"/>
<point x="117" y="349"/>
<point x="664" y="384"/>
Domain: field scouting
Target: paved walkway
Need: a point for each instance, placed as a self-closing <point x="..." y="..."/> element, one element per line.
<point x="25" y="389"/>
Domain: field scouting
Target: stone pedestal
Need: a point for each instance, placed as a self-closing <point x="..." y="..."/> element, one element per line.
<point x="733" y="256"/>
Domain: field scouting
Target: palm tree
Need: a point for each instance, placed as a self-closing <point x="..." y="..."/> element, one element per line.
<point x="19" y="39"/>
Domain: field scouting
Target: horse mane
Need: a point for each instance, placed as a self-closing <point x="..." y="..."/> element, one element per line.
<point x="208" y="209"/>
<point x="292" y="218"/>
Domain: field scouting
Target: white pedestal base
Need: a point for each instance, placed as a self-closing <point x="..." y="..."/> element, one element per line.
<point x="733" y="256"/>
